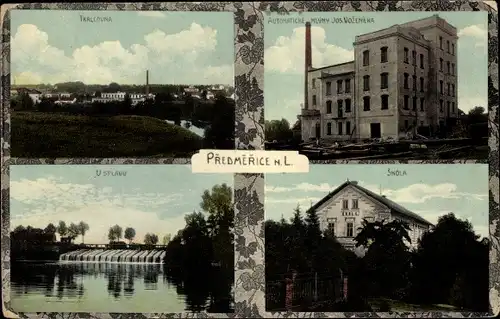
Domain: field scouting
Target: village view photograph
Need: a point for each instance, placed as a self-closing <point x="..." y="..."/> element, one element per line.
<point x="377" y="85"/>
<point x="131" y="84"/>
<point x="378" y="238"/>
<point x="130" y="238"/>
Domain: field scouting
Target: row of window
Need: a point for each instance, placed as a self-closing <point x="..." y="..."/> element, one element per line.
<point x="340" y="131"/>
<point x="384" y="57"/>
<point x="450" y="67"/>
<point x="449" y="49"/>
<point x="340" y="87"/>
<point x="450" y="88"/>
<point x="349" y="229"/>
<point x="414" y="57"/>
<point x="340" y="107"/>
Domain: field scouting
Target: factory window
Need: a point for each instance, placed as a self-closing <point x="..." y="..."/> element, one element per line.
<point x="348" y="86"/>
<point x="366" y="83"/>
<point x="384" y="80"/>
<point x="414" y="106"/>
<point x="422" y="101"/>
<point x="329" y="129"/>
<point x="348" y="128"/>
<point x="345" y="204"/>
<point x="414" y="57"/>
<point x="414" y="83"/>
<point x="441" y="43"/>
<point x="314" y="99"/>
<point x="383" y="54"/>
<point x="441" y="91"/>
<point x="328" y="107"/>
<point x="453" y="49"/>
<point x="405" y="55"/>
<point x="421" y="61"/>
<point x="406" y="102"/>
<point x="328" y="88"/>
<point x="453" y="107"/>
<point x="448" y="107"/>
<point x="340" y="128"/>
<point x="440" y="64"/>
<point x="366" y="57"/>
<point x="453" y="69"/>
<point x="366" y="103"/>
<point x="453" y="90"/>
<point x="355" y="204"/>
<point x="348" y="105"/>
<point x="448" y="67"/>
<point x="385" y="102"/>
<point x="339" y="86"/>
<point x="448" y="46"/>
<point x="350" y="230"/>
<point x="448" y="88"/>
<point x="405" y="83"/>
<point x="340" y="111"/>
<point x="441" y="106"/>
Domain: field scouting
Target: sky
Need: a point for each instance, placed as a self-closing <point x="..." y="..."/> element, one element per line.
<point x="427" y="190"/>
<point x="51" y="46"/>
<point x="150" y="198"/>
<point x="333" y="43"/>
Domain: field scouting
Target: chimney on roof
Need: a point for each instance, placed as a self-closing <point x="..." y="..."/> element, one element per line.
<point x="308" y="64"/>
<point x="354" y="182"/>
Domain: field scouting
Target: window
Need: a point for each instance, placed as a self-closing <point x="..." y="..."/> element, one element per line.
<point x="383" y="55"/>
<point x="414" y="57"/>
<point x="421" y="61"/>
<point x="366" y="83"/>
<point x="453" y="48"/>
<point x="348" y="128"/>
<point x="340" y="128"/>
<point x="447" y="46"/>
<point x="385" y="102"/>
<point x="348" y="105"/>
<point x="414" y="103"/>
<point x="314" y="83"/>
<point x="441" y="106"/>
<point x="329" y="129"/>
<point x="355" y="204"/>
<point x="348" y="86"/>
<point x="406" y="124"/>
<point x="414" y="82"/>
<point x="406" y="55"/>
<point x="328" y="107"/>
<point x="345" y="204"/>
<point x="448" y="88"/>
<point x="422" y="101"/>
<point x="384" y="80"/>
<point x="453" y="90"/>
<point x="350" y="230"/>
<point x="421" y="84"/>
<point x="448" y="107"/>
<point x="331" y="228"/>
<point x="441" y="43"/>
<point x="453" y="69"/>
<point x="328" y="88"/>
<point x="453" y="107"/>
<point x="339" y="108"/>
<point x="366" y="58"/>
<point x="366" y="103"/>
<point x="441" y="86"/>
<point x="441" y="64"/>
<point x="406" y="86"/>
<point x="339" y="86"/>
<point x="406" y="102"/>
<point x="314" y="99"/>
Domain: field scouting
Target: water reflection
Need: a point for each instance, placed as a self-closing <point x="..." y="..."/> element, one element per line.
<point x="101" y="286"/>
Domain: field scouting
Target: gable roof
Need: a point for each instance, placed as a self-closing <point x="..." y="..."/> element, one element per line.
<point x="379" y="198"/>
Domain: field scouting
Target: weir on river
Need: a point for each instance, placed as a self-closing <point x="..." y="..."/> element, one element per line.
<point x="115" y="256"/>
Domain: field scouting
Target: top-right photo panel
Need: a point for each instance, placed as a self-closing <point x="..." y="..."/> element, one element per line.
<point x="381" y="85"/>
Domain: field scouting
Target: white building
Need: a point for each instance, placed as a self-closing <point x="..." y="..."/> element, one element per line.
<point x="120" y="96"/>
<point x="343" y="210"/>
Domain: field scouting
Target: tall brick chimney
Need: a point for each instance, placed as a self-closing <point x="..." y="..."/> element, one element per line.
<point x="308" y="64"/>
<point x="147" y="82"/>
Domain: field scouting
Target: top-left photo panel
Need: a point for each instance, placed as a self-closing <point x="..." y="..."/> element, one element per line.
<point x="108" y="84"/>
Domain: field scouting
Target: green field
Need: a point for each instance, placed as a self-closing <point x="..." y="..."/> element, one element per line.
<point x="50" y="135"/>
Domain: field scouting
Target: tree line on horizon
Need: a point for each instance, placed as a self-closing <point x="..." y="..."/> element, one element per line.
<point x="449" y="266"/>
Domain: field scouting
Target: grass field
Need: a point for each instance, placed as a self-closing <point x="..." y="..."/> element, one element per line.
<point x="49" y="135"/>
<point x="399" y="306"/>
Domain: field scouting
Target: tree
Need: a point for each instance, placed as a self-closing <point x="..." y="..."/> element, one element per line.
<point x="129" y="234"/>
<point x="220" y="133"/>
<point x="166" y="239"/>
<point x="26" y="102"/>
<point x="82" y="229"/>
<point x="62" y="229"/>
<point x="150" y="239"/>
<point x="278" y="130"/>
<point x="73" y="231"/>
<point x="115" y="233"/>
<point x="50" y="229"/>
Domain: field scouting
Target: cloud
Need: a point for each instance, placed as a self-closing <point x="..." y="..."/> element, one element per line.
<point x="110" y="61"/>
<point x="287" y="53"/>
<point x="151" y="14"/>
<point x="48" y="200"/>
<point x="466" y="103"/>
<point x="479" y="32"/>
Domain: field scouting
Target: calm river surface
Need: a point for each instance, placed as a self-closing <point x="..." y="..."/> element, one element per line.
<point x="99" y="287"/>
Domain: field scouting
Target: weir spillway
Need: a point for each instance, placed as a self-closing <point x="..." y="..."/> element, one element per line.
<point x="114" y="256"/>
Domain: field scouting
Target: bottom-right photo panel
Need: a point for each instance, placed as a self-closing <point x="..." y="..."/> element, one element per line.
<point x="378" y="238"/>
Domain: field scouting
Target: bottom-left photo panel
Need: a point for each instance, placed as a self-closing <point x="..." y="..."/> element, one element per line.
<point x="120" y="238"/>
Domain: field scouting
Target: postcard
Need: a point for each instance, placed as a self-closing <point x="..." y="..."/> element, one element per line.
<point x="378" y="238"/>
<point x="366" y="85"/>
<point x="120" y="238"/>
<point x="120" y="83"/>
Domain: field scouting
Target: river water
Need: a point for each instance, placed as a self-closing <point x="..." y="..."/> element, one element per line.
<point x="102" y="287"/>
